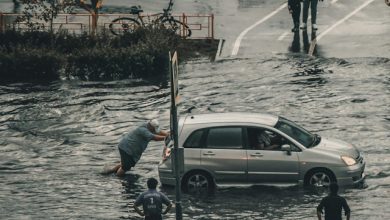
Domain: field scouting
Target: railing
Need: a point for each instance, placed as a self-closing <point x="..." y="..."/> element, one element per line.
<point x="202" y="26"/>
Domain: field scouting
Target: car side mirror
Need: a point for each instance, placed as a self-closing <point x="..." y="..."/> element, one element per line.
<point x="287" y="148"/>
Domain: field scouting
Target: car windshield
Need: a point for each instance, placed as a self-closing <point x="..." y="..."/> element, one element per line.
<point x="298" y="133"/>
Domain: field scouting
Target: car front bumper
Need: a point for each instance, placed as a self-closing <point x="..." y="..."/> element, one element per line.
<point x="352" y="175"/>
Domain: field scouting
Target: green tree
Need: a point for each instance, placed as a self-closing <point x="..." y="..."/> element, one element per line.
<point x="36" y="11"/>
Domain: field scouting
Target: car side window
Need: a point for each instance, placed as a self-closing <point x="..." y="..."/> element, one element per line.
<point x="194" y="140"/>
<point x="224" y="138"/>
<point x="264" y="139"/>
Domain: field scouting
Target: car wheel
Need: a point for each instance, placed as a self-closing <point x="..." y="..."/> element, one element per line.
<point x="319" y="178"/>
<point x="198" y="183"/>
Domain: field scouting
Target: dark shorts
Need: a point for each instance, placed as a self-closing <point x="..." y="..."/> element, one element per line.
<point x="126" y="160"/>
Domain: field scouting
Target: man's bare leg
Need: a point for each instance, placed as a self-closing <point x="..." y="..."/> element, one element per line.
<point x="111" y="170"/>
<point x="120" y="172"/>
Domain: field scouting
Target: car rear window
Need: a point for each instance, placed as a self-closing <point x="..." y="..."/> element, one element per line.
<point x="194" y="140"/>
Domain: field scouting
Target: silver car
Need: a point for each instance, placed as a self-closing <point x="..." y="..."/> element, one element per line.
<point x="223" y="148"/>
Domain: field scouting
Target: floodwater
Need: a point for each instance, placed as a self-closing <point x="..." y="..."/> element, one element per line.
<point x="56" y="138"/>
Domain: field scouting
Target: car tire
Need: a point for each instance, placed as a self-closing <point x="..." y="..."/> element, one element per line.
<point x="319" y="178"/>
<point x="198" y="182"/>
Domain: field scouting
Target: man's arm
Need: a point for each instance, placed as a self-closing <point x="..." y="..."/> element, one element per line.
<point x="319" y="215"/>
<point x="139" y="211"/>
<point x="164" y="133"/>
<point x="319" y="209"/>
<point x="167" y="202"/>
<point x="346" y="209"/>
<point x="169" y="206"/>
<point x="138" y="202"/>
<point x="272" y="147"/>
<point x="160" y="136"/>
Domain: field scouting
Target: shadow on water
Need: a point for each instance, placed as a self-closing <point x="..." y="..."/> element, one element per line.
<point x="131" y="183"/>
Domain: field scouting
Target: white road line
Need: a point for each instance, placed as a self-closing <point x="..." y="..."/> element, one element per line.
<point x="314" y="43"/>
<point x="237" y="43"/>
<point x="344" y="19"/>
<point x="281" y="37"/>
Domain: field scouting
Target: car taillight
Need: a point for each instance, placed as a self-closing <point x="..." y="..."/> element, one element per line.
<point x="166" y="153"/>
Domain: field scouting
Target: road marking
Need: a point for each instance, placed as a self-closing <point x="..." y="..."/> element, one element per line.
<point x="313" y="44"/>
<point x="281" y="37"/>
<point x="237" y="43"/>
<point x="344" y="19"/>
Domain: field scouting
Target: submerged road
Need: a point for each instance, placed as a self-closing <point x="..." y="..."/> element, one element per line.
<point x="55" y="138"/>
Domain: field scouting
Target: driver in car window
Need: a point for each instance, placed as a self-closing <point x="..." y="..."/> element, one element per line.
<point x="264" y="141"/>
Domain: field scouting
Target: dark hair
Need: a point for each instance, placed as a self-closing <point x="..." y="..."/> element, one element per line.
<point x="152" y="183"/>
<point x="334" y="188"/>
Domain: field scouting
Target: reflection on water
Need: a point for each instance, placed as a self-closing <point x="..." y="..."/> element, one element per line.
<point x="311" y="47"/>
<point x="296" y="44"/>
<point x="56" y="138"/>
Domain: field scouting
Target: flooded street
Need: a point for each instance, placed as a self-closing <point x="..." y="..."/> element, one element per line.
<point x="56" y="138"/>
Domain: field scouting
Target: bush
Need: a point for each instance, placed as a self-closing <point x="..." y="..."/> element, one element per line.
<point x="42" y="55"/>
<point x="30" y="65"/>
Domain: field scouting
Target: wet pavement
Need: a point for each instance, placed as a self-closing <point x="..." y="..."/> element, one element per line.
<point x="56" y="138"/>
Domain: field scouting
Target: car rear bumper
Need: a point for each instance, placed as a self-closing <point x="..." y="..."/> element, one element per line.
<point x="167" y="178"/>
<point x="166" y="175"/>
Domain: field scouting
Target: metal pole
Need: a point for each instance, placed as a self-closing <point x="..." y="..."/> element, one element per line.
<point x="2" y="29"/>
<point x="179" y="215"/>
<point x="177" y="170"/>
<point x="212" y="26"/>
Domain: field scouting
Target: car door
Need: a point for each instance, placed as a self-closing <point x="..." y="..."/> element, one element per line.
<point x="224" y="154"/>
<point x="272" y="166"/>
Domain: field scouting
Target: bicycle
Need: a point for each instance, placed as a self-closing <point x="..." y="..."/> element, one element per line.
<point x="123" y="25"/>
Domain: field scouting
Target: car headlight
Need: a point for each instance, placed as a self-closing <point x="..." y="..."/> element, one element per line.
<point x="348" y="160"/>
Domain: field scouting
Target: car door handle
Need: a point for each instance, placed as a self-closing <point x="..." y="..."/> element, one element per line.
<point x="209" y="153"/>
<point x="257" y="155"/>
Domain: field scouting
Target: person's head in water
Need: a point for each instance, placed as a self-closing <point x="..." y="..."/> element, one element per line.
<point x="152" y="183"/>
<point x="333" y="188"/>
<point x="154" y="126"/>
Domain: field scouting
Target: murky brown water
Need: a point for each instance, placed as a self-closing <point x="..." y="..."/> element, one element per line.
<point x="56" y="138"/>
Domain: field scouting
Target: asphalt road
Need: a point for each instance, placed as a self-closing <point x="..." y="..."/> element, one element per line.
<point x="346" y="28"/>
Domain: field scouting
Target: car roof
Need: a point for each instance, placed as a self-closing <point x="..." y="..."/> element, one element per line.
<point x="232" y="117"/>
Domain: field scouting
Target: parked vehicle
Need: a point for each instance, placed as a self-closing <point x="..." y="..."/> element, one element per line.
<point x="221" y="148"/>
